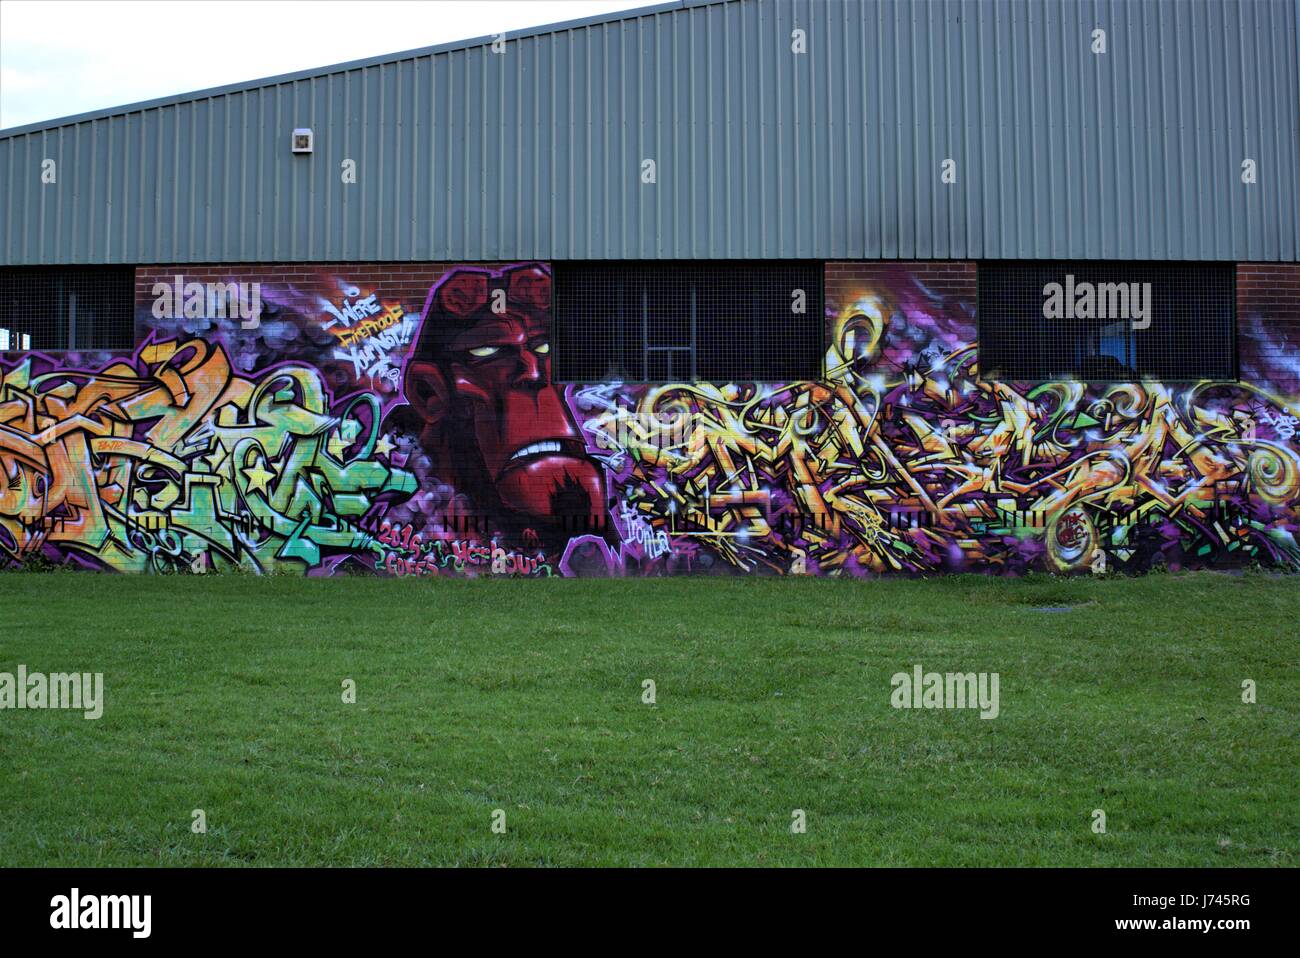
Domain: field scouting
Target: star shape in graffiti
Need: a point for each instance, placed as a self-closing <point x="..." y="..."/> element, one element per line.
<point x="217" y="456"/>
<point x="342" y="438"/>
<point x="258" y="476"/>
<point x="384" y="445"/>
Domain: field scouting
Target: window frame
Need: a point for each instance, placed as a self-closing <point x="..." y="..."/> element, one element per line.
<point x="67" y="281"/>
<point x="1234" y="343"/>
<point x="646" y="350"/>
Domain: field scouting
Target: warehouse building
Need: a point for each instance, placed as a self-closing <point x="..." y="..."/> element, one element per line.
<point x="715" y="286"/>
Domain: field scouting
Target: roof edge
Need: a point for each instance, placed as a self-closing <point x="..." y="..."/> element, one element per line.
<point x="333" y="68"/>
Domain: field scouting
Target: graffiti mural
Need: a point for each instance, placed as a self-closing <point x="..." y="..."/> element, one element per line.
<point x="172" y="460"/>
<point x="901" y="459"/>
<point x="480" y="396"/>
<point x="412" y="428"/>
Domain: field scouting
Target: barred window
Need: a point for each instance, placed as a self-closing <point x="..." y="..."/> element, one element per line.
<point x="1107" y="322"/>
<point x="671" y="321"/>
<point x="67" y="307"/>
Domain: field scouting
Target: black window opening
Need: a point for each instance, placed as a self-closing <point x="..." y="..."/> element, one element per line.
<point x="681" y="322"/>
<point x="75" y="307"/>
<point x="1107" y="322"/>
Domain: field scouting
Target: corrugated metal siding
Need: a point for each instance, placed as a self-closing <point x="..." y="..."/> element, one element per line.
<point x="467" y="155"/>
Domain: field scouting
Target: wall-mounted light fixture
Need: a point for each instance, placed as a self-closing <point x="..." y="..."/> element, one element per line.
<point x="302" y="139"/>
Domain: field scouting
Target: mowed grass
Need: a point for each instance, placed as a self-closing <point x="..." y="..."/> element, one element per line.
<point x="224" y="694"/>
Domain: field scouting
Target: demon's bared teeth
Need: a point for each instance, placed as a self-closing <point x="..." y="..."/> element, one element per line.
<point x="537" y="449"/>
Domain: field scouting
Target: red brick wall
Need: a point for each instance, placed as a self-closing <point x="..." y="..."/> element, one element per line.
<point x="935" y="299"/>
<point x="1268" y="297"/>
<point x="409" y="282"/>
<point x="1268" y="308"/>
<point x="947" y="279"/>
<point x="326" y="393"/>
<point x="1268" y="324"/>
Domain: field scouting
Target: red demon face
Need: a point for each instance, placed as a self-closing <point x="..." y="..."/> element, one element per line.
<point x="480" y="380"/>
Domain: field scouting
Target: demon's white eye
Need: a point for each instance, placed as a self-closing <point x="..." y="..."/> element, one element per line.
<point x="485" y="351"/>
<point x="544" y="348"/>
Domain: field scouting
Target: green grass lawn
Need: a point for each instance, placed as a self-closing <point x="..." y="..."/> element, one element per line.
<point x="224" y="693"/>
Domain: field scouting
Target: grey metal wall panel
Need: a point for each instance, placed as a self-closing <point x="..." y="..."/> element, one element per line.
<point x="463" y="154"/>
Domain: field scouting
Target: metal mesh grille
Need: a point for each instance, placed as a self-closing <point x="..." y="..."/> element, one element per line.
<point x="1107" y="322"/>
<point x="80" y="307"/>
<point x="667" y="322"/>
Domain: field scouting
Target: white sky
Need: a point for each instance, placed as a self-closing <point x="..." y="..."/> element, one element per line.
<point x="61" y="57"/>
